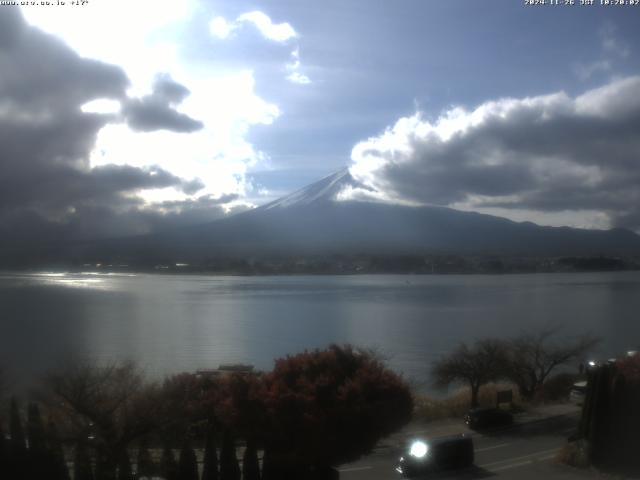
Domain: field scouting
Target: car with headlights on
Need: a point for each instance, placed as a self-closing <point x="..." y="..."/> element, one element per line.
<point x="424" y="456"/>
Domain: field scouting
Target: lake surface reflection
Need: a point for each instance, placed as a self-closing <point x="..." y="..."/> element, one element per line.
<point x="172" y="323"/>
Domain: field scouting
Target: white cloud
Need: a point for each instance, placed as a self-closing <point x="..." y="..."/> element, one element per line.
<point x="219" y="154"/>
<point x="220" y="28"/>
<point x="297" y="77"/>
<point x="101" y="105"/>
<point x="143" y="38"/>
<point x="611" y="43"/>
<point x="118" y="32"/>
<point x="612" y="51"/>
<point x="585" y="72"/>
<point x="544" y="158"/>
<point x="294" y="67"/>
<point x="278" y="32"/>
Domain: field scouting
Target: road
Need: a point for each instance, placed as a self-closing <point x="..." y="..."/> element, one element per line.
<point x="524" y="451"/>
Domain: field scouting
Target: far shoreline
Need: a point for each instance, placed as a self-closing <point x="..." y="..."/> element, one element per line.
<point x="490" y="267"/>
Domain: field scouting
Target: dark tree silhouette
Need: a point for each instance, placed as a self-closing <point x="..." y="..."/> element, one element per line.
<point x="250" y="463"/>
<point x="187" y="463"/>
<point x="39" y="459"/>
<point x="229" y="468"/>
<point x="4" y="456"/>
<point x="532" y="358"/>
<point x="474" y="365"/>
<point x="3" y="383"/>
<point x="610" y="419"/>
<point x="269" y="469"/>
<point x="18" y="443"/>
<point x="145" y="467"/>
<point x="182" y="402"/>
<point x="35" y="431"/>
<point x="113" y="403"/>
<point x="105" y="468"/>
<point x="210" y="464"/>
<point x="59" y="469"/>
<point x="168" y="465"/>
<point x="124" y="467"/>
<point x="18" y="461"/>
<point x="328" y="407"/>
<point x="82" y="463"/>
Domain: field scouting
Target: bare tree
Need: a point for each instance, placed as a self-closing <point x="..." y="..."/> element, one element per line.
<point x="104" y="407"/>
<point x="474" y="365"/>
<point x="532" y="357"/>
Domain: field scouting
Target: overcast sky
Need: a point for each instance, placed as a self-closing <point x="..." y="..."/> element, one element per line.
<point x="120" y="116"/>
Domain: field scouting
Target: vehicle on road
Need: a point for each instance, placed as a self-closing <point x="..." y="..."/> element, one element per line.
<point x="424" y="456"/>
<point x="481" y="418"/>
<point x="578" y="392"/>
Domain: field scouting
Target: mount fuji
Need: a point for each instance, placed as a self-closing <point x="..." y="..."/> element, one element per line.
<point x="312" y="221"/>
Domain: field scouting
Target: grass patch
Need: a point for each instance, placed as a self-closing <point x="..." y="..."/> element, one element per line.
<point x="428" y="409"/>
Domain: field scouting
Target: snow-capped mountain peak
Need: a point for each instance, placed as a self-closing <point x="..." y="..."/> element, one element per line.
<point x="324" y="190"/>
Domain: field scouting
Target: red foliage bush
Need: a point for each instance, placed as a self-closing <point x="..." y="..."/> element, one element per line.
<point x="629" y="368"/>
<point x="331" y="406"/>
<point x="318" y="408"/>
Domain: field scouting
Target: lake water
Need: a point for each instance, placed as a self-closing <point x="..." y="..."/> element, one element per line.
<point x="172" y="323"/>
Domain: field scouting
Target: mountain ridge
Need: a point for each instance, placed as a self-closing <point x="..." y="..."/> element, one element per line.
<point x="311" y="221"/>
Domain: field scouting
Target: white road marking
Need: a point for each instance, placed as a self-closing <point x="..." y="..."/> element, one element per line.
<point x="355" y="469"/>
<point x="492" y="447"/>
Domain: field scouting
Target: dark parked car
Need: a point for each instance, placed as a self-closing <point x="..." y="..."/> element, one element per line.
<point x="436" y="454"/>
<point x="480" y="418"/>
<point x="578" y="392"/>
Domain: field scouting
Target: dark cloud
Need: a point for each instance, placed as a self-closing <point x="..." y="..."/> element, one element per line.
<point x="125" y="217"/>
<point x="48" y="189"/>
<point x="157" y="111"/>
<point x="11" y="26"/>
<point x="104" y="184"/>
<point x="169" y="90"/>
<point x="40" y="75"/>
<point x="543" y="154"/>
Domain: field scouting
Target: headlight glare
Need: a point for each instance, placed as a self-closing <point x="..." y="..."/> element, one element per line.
<point x="418" y="449"/>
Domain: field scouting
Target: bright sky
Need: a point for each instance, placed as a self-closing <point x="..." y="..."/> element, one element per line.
<point x="251" y="101"/>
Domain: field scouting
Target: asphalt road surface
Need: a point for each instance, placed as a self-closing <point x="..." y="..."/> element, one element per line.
<point x="523" y="451"/>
